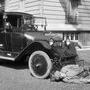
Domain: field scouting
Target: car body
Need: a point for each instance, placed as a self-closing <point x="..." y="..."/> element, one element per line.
<point x="21" y="38"/>
<point x="15" y="38"/>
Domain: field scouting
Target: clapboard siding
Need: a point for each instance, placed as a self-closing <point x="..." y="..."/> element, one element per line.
<point x="50" y="20"/>
<point x="12" y="5"/>
<point x="32" y="7"/>
<point x="28" y="6"/>
<point x="51" y="9"/>
<point x="84" y="13"/>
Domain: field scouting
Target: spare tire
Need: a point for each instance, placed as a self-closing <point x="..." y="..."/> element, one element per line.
<point x="40" y="64"/>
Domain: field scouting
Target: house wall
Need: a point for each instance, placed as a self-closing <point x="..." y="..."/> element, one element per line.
<point x="50" y="9"/>
<point x="84" y="15"/>
<point x="84" y="38"/>
<point x="28" y="6"/>
<point x="53" y="11"/>
<point x="55" y="14"/>
<point x="32" y="7"/>
<point x="84" y="21"/>
<point x="12" y="5"/>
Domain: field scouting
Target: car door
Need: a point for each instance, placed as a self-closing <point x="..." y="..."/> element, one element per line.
<point x="2" y="34"/>
<point x="8" y="41"/>
<point x="18" y="41"/>
<point x="11" y="38"/>
<point x="17" y="36"/>
<point x="2" y="41"/>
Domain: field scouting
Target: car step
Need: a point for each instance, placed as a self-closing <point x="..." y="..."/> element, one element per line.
<point x="7" y="58"/>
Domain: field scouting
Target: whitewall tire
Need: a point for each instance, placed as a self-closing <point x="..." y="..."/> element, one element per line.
<point x="40" y="64"/>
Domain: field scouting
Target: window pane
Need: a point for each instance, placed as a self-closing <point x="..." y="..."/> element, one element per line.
<point x="76" y="36"/>
<point x="72" y="36"/>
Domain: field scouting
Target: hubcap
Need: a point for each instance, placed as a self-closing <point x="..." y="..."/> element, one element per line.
<point x="39" y="65"/>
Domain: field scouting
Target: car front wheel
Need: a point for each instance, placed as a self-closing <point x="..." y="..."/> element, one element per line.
<point x="40" y="64"/>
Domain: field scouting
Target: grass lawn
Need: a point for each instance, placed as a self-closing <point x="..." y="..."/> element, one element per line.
<point x="85" y="55"/>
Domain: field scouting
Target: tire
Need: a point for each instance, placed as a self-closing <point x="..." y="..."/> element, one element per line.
<point x="40" y="64"/>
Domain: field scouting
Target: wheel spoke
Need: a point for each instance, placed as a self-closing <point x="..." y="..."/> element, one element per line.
<point x="40" y="64"/>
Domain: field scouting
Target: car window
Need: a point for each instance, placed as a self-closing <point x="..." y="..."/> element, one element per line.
<point x="29" y="24"/>
<point x="1" y="22"/>
<point x="28" y="21"/>
<point x="13" y="22"/>
<point x="41" y="23"/>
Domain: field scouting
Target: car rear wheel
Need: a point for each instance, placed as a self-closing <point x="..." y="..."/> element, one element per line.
<point x="40" y="64"/>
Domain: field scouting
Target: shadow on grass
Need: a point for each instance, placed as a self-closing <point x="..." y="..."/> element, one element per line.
<point x="13" y="64"/>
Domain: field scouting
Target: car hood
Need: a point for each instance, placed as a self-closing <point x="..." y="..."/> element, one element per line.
<point x="43" y="36"/>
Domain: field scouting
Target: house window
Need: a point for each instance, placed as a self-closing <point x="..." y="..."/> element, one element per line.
<point x="76" y="36"/>
<point x="71" y="36"/>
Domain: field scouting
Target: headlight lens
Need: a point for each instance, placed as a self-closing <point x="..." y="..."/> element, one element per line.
<point x="51" y="41"/>
<point x="67" y="42"/>
<point x="60" y="43"/>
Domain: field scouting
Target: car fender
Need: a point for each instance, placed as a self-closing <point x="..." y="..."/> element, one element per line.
<point x="45" y="44"/>
<point x="29" y="47"/>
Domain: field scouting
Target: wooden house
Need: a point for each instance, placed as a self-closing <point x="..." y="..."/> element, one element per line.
<point x="55" y="13"/>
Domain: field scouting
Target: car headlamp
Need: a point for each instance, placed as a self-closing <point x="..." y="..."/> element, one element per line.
<point x="67" y="42"/>
<point x="60" y="44"/>
<point x="51" y="42"/>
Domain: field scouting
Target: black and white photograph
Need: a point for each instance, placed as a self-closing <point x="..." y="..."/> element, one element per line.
<point x="44" y="44"/>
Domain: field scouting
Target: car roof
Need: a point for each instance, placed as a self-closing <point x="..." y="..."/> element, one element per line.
<point x="18" y="13"/>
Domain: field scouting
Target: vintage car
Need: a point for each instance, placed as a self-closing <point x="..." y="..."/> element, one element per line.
<point x="24" y="38"/>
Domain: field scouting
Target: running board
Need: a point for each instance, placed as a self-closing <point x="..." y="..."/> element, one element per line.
<point x="7" y="58"/>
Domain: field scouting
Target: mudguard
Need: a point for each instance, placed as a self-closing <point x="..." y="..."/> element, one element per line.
<point x="29" y="47"/>
<point x="45" y="44"/>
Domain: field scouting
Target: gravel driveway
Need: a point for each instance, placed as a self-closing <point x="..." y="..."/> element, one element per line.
<point x="17" y="77"/>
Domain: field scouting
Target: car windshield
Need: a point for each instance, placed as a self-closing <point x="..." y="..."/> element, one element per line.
<point x="20" y="22"/>
<point x="35" y="23"/>
<point x="40" y="22"/>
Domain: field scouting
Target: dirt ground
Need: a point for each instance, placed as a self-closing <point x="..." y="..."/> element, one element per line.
<point x="17" y="77"/>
